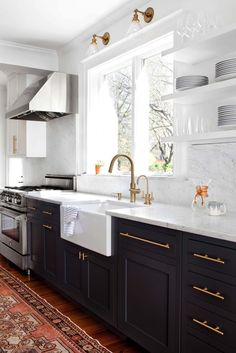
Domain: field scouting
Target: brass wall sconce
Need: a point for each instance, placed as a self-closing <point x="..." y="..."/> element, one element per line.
<point x="93" y="47"/>
<point x="135" y="26"/>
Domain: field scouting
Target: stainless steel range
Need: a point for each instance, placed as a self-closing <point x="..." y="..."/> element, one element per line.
<point x="13" y="234"/>
<point x="13" y="217"/>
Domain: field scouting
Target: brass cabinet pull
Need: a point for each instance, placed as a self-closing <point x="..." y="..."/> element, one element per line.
<point x="166" y="246"/>
<point x="84" y="256"/>
<point x="47" y="227"/>
<point x="206" y="325"/>
<point x="208" y="258"/>
<point x="206" y="291"/>
<point x="46" y="212"/>
<point x="32" y="208"/>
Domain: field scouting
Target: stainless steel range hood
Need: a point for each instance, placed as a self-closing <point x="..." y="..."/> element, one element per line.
<point x="53" y="96"/>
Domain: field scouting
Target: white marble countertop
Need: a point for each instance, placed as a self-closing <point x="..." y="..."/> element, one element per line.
<point x="64" y="197"/>
<point x="67" y="197"/>
<point x="183" y="219"/>
<point x="164" y="215"/>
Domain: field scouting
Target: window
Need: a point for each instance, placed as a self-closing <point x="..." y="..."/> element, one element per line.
<point x="126" y="114"/>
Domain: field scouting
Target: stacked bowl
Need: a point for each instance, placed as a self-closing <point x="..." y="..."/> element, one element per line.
<point x="191" y="81"/>
<point x="225" y="69"/>
<point x="227" y="116"/>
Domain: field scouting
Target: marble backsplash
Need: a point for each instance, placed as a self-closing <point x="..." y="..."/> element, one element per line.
<point x="216" y="162"/>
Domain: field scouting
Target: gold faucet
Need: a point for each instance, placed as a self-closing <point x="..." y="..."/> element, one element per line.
<point x="147" y="196"/>
<point x="133" y="190"/>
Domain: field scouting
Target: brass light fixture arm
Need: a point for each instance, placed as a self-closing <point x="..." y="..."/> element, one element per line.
<point x="148" y="14"/>
<point x="105" y="38"/>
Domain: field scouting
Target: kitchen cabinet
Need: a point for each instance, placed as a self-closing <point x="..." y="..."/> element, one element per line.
<point x="89" y="279"/>
<point x="85" y="276"/>
<point x="35" y="240"/>
<point x="43" y="231"/>
<point x="209" y="289"/>
<point x="149" y="285"/>
<point x="24" y="138"/>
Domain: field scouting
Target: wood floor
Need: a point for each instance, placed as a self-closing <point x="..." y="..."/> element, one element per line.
<point x="94" y="327"/>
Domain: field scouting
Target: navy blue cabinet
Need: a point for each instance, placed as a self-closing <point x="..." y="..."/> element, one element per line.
<point x="43" y="232"/>
<point x="149" y="285"/>
<point x="209" y="290"/>
<point x="89" y="278"/>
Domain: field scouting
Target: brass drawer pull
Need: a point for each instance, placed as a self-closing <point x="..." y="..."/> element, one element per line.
<point x="166" y="246"/>
<point x="47" y="227"/>
<point x="48" y="213"/>
<point x="31" y="208"/>
<point x="206" y="291"/>
<point x="208" y="258"/>
<point x="205" y="324"/>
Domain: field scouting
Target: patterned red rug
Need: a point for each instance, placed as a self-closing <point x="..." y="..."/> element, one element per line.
<point x="28" y="324"/>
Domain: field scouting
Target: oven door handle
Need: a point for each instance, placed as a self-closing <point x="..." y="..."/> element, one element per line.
<point x="16" y="217"/>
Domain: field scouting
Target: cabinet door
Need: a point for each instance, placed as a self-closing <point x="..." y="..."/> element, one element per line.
<point x="35" y="238"/>
<point x="50" y="242"/>
<point x="100" y="283"/>
<point x="73" y="271"/>
<point x="147" y="301"/>
<point x="16" y="137"/>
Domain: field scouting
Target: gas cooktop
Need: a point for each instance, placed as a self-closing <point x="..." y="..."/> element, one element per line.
<point x="33" y="188"/>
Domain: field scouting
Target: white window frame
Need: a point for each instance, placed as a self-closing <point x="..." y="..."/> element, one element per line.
<point x="141" y="52"/>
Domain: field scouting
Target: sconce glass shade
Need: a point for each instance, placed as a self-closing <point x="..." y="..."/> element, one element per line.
<point x="92" y="49"/>
<point x="134" y="27"/>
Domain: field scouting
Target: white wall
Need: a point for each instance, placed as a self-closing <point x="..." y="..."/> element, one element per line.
<point x="2" y="134"/>
<point x="216" y="162"/>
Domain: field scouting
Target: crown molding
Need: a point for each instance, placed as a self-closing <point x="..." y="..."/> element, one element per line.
<point x="5" y="43"/>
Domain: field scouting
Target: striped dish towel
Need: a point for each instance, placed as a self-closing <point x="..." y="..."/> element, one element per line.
<point x="69" y="215"/>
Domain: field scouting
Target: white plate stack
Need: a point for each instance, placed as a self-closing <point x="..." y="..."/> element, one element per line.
<point x="227" y="116"/>
<point x="191" y="81"/>
<point x="225" y="69"/>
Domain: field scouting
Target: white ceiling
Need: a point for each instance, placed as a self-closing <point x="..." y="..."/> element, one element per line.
<point x="51" y="23"/>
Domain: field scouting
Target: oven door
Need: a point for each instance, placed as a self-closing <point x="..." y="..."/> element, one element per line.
<point x="13" y="230"/>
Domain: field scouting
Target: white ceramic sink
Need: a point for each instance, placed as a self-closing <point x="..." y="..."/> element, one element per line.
<point x="93" y="228"/>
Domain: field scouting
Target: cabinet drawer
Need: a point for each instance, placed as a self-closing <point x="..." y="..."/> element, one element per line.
<point x="211" y="328"/>
<point x="152" y="238"/>
<point x="50" y="212"/>
<point x="33" y="207"/>
<point x="212" y="257"/>
<point x="211" y="291"/>
<point x="194" y="345"/>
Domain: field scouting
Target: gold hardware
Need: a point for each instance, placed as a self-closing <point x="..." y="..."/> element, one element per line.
<point x="148" y="15"/>
<point x="133" y="190"/>
<point x="31" y="208"/>
<point x="46" y="212"/>
<point x="148" y="198"/>
<point x="208" y="258"/>
<point x="47" y="227"/>
<point x="205" y="324"/>
<point x="84" y="256"/>
<point x="105" y="38"/>
<point x="118" y="195"/>
<point x="206" y="291"/>
<point x="166" y="246"/>
<point x="14" y="144"/>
